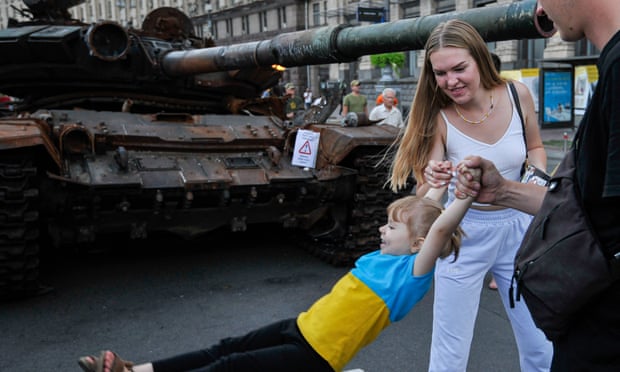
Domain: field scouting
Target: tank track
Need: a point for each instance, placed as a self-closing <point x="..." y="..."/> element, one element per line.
<point x="19" y="226"/>
<point x="367" y="214"/>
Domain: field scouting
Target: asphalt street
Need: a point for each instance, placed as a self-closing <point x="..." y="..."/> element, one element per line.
<point x="145" y="303"/>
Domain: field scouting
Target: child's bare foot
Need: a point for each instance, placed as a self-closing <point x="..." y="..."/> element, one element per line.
<point x="107" y="361"/>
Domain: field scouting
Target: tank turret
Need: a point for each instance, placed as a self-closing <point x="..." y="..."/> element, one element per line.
<point x="53" y="61"/>
<point x="124" y="131"/>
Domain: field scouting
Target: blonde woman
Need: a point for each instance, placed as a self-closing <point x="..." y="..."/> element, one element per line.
<point x="463" y="107"/>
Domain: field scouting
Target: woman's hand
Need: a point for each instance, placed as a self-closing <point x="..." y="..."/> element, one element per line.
<point x="438" y="173"/>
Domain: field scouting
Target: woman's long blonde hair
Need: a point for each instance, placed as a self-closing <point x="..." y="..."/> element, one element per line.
<point x="416" y="142"/>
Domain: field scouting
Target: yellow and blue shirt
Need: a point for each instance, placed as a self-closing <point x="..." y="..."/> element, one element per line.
<point x="380" y="290"/>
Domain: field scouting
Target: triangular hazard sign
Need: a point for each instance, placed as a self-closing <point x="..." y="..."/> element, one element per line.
<point x="305" y="148"/>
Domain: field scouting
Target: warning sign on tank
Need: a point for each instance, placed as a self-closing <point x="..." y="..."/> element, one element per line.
<point x="306" y="146"/>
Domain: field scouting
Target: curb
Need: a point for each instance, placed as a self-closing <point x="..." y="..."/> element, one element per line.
<point x="555" y="154"/>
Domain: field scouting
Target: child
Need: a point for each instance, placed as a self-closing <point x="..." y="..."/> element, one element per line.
<point x="381" y="289"/>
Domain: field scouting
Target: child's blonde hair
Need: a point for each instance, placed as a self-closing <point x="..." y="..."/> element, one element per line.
<point x="418" y="214"/>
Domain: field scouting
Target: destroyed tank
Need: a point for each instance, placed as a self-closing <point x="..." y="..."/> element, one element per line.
<point x="136" y="131"/>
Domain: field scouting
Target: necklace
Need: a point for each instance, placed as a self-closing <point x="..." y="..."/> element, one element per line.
<point x="484" y="117"/>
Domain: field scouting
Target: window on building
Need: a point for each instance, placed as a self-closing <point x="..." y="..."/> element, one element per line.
<point x="214" y="30"/>
<point x="229" y="31"/>
<point x="411" y="9"/>
<point x="445" y="6"/>
<point x="529" y="52"/>
<point x="245" y="25"/>
<point x="282" y="17"/>
<point x="316" y="14"/>
<point x="479" y="3"/>
<point x="132" y="3"/>
<point x="324" y="12"/>
<point x="584" y="47"/>
<point x="262" y="21"/>
<point x="412" y="62"/>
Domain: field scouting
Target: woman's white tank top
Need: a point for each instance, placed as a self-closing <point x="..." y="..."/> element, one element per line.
<point x="508" y="153"/>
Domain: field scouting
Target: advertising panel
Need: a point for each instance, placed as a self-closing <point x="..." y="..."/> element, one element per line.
<point x="557" y="97"/>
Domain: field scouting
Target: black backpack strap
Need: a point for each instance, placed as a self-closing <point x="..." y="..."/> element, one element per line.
<point x="515" y="96"/>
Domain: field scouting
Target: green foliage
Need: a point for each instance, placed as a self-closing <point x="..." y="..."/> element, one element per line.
<point x="395" y="60"/>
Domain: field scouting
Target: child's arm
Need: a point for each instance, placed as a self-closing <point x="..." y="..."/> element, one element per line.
<point x="436" y="193"/>
<point x="441" y="232"/>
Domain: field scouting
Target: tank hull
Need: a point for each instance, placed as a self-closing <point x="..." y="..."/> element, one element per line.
<point x="139" y="131"/>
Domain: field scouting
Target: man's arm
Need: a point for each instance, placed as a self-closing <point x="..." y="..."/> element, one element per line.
<point x="345" y="106"/>
<point x="374" y="114"/>
<point x="401" y="123"/>
<point x="495" y="189"/>
<point x="536" y="153"/>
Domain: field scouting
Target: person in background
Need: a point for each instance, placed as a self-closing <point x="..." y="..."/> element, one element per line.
<point x="387" y="112"/>
<point x="294" y="102"/>
<point x="592" y="341"/>
<point x="381" y="289"/>
<point x="379" y="100"/>
<point x="355" y="101"/>
<point x="308" y="98"/>
<point x="319" y="101"/>
<point x="462" y="107"/>
<point x="6" y="102"/>
<point x="497" y="62"/>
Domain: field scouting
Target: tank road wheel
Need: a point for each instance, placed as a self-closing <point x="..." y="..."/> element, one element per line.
<point x="365" y="215"/>
<point x="19" y="226"/>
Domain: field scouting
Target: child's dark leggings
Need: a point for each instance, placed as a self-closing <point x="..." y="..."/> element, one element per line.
<point x="274" y="348"/>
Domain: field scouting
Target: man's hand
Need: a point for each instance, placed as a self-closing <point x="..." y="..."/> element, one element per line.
<point x="473" y="173"/>
<point x="487" y="188"/>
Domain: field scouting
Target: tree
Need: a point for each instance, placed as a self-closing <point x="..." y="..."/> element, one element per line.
<point x="395" y="60"/>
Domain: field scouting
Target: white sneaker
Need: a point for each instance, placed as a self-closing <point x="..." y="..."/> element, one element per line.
<point x="354" y="370"/>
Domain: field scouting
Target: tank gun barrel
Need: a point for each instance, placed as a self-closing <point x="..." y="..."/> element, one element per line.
<point x="336" y="44"/>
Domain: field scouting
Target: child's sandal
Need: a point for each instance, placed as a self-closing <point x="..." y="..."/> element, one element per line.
<point x="97" y="364"/>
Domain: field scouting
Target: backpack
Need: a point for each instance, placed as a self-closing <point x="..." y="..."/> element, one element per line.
<point x="560" y="265"/>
